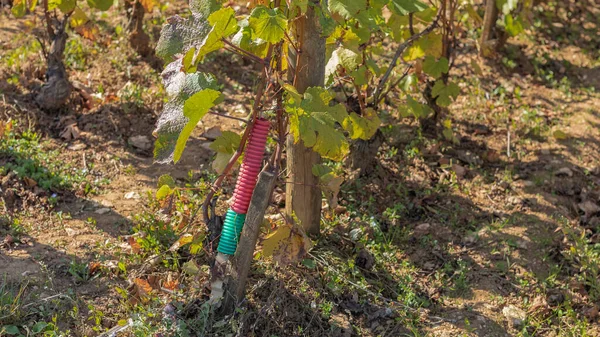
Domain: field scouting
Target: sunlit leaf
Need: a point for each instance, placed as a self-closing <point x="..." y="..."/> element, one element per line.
<point x="102" y="5"/>
<point x="362" y="127"/>
<point x="163" y="192"/>
<point x="430" y="44"/>
<point x="180" y="88"/>
<point x="314" y="121"/>
<point x="268" y="24"/>
<point x="347" y="59"/>
<point x="223" y="24"/>
<point x="348" y="9"/>
<point x="180" y="34"/>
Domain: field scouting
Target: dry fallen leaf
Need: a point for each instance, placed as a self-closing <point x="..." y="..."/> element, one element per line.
<point x="70" y="132"/>
<point x="288" y="244"/>
<point x="135" y="246"/>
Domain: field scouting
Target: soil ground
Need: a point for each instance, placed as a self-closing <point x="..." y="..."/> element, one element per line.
<point x="495" y="234"/>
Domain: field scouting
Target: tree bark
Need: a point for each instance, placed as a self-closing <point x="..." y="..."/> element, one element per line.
<point x="138" y="39"/>
<point x="57" y="89"/>
<point x="303" y="195"/>
<point x="489" y="23"/>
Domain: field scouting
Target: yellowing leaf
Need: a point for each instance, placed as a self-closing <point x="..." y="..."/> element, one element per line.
<point x="78" y="18"/>
<point x="163" y="192"/>
<point x="430" y="44"/>
<point x="560" y="135"/>
<point x="148" y="4"/>
<point x="183" y="240"/>
<point x="288" y="244"/>
<point x="362" y="127"/>
<point x="223" y="24"/>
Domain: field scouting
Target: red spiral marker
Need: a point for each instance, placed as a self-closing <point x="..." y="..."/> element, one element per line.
<point x="253" y="157"/>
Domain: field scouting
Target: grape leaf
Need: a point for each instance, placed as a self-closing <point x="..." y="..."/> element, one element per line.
<point x="444" y="92"/>
<point x="418" y="110"/>
<point x="18" y="9"/>
<point x="166" y="179"/>
<point x="405" y="7"/>
<point x="102" y="5"/>
<point x="348" y="9"/>
<point x="65" y="6"/>
<point x="362" y="127"/>
<point x="181" y="88"/>
<point x="330" y="183"/>
<point x="268" y="24"/>
<point x="163" y="192"/>
<point x="225" y="145"/>
<point x="513" y="26"/>
<point x="204" y="7"/>
<point x="341" y="57"/>
<point x="314" y="122"/>
<point x="180" y="34"/>
<point x="287" y="244"/>
<point x="243" y="39"/>
<point x="435" y="68"/>
<point x="223" y="24"/>
<point x="430" y="44"/>
<point x="78" y="18"/>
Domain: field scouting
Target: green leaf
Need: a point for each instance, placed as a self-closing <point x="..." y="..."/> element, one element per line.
<point x="180" y="88"/>
<point x="163" y="192"/>
<point x="330" y="183"/>
<point x="344" y="58"/>
<point x="435" y="68"/>
<point x="506" y="6"/>
<point x="223" y="24"/>
<point x="319" y="170"/>
<point x="301" y="4"/>
<point x="314" y="122"/>
<point x="513" y="26"/>
<point x="362" y="127"/>
<point x="360" y="75"/>
<point x="348" y="9"/>
<point x="405" y="7"/>
<point x="18" y="9"/>
<point x="418" y="110"/>
<point x="102" y="5"/>
<point x="166" y="179"/>
<point x="78" y="18"/>
<point x="190" y="268"/>
<point x="194" y="109"/>
<point x="444" y="93"/>
<point x="225" y="145"/>
<point x="39" y="327"/>
<point x="268" y="24"/>
<point x="309" y="263"/>
<point x="430" y="44"/>
<point x="204" y="7"/>
<point x="243" y="39"/>
<point x="10" y="330"/>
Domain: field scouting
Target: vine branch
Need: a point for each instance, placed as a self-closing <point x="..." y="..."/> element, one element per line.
<point x="399" y="51"/>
